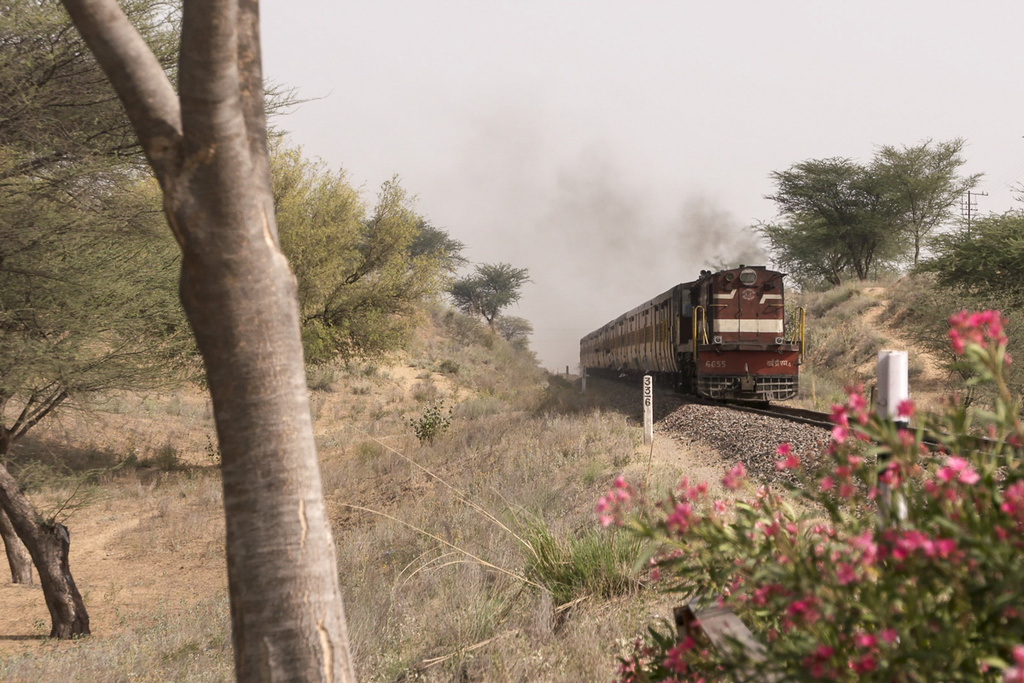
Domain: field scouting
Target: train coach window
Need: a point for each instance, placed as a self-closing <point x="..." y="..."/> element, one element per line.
<point x="748" y="276"/>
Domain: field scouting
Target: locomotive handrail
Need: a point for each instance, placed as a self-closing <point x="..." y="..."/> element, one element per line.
<point x="801" y="316"/>
<point x="698" y="312"/>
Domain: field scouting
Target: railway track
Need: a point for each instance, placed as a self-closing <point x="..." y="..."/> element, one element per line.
<point x="824" y="420"/>
<point x="800" y="415"/>
<point x="755" y="439"/>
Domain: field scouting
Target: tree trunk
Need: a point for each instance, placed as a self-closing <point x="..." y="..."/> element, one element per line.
<point x="285" y="598"/>
<point x="17" y="553"/>
<point x="208" y="149"/>
<point x="48" y="544"/>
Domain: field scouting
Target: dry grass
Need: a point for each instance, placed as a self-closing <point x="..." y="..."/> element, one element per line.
<point x="472" y="558"/>
<point x="480" y="560"/>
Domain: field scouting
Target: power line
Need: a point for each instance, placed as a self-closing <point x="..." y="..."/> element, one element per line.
<point x="969" y="205"/>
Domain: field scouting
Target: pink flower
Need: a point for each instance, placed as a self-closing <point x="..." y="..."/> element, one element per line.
<point x="687" y="492"/>
<point x="867" y="546"/>
<point x="679" y="520"/>
<point x="805" y="610"/>
<point x="675" y="659"/>
<point x="956" y="341"/>
<point x="1013" y="501"/>
<point x="733" y="479"/>
<point x="865" y="640"/>
<point x="984" y="328"/>
<point x="840" y="433"/>
<point x="612" y="506"/>
<point x="889" y="636"/>
<point x="839" y="416"/>
<point x="720" y="506"/>
<point x="969" y="477"/>
<point x="945" y="547"/>
<point x="845" y="574"/>
<point x="905" y="409"/>
<point x="960" y="469"/>
<point x="815" y="663"/>
<point x="890" y="475"/>
<point x="1014" y="674"/>
<point x="790" y="463"/>
<point x="865" y="664"/>
<point x="826" y="484"/>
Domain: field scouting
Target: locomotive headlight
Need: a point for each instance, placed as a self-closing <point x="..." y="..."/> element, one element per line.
<point x="748" y="276"/>
<point x="779" y="340"/>
<point x="717" y="340"/>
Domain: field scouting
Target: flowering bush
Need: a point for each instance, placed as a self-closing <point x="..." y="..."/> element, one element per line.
<point x="895" y="560"/>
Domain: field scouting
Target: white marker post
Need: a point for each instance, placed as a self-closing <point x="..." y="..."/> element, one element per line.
<point x="893" y="385"/>
<point x="583" y="380"/>
<point x="648" y="409"/>
<point x="893" y="389"/>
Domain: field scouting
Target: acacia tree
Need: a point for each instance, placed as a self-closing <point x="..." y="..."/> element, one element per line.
<point x="492" y="288"/>
<point x="72" y="205"/>
<point x="76" y="317"/>
<point x="924" y="181"/>
<point x="359" y="275"/>
<point x="835" y="217"/>
<point x="514" y="330"/>
<point x="208" y="149"/>
<point x="985" y="262"/>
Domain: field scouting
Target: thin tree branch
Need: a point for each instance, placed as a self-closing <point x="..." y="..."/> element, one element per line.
<point x="43" y="409"/>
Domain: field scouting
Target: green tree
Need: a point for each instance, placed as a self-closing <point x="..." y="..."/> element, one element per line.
<point x="514" y="330"/>
<point x="86" y="288"/>
<point x="58" y="114"/>
<point x="835" y="217"/>
<point x="805" y="247"/>
<point x="359" y="276"/>
<point x="985" y="262"/>
<point x="490" y="289"/>
<point x="924" y="181"/>
<point x="436" y="242"/>
<point x="87" y="304"/>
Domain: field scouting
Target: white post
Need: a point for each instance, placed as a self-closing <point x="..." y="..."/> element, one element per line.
<point x="583" y="380"/>
<point x="893" y="388"/>
<point x="648" y="409"/>
<point x="893" y="385"/>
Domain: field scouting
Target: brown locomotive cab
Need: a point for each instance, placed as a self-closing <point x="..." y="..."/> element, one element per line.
<point x="721" y="336"/>
<point x="745" y="353"/>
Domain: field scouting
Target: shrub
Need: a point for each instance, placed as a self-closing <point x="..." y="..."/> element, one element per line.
<point x="321" y="376"/>
<point x="434" y="422"/>
<point x="905" y="565"/>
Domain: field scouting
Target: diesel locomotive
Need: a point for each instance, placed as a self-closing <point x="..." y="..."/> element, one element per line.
<point x="722" y="336"/>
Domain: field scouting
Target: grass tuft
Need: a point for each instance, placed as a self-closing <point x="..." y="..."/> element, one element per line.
<point x="588" y="564"/>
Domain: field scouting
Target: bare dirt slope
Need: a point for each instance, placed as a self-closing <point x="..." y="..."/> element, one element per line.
<point x="929" y="381"/>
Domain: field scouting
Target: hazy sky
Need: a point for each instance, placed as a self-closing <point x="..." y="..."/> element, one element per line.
<point x="615" y="148"/>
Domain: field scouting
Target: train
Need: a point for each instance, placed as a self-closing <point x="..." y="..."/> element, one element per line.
<point x="724" y="336"/>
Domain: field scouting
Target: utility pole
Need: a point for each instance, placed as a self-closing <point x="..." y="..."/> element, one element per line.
<point x="969" y="206"/>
